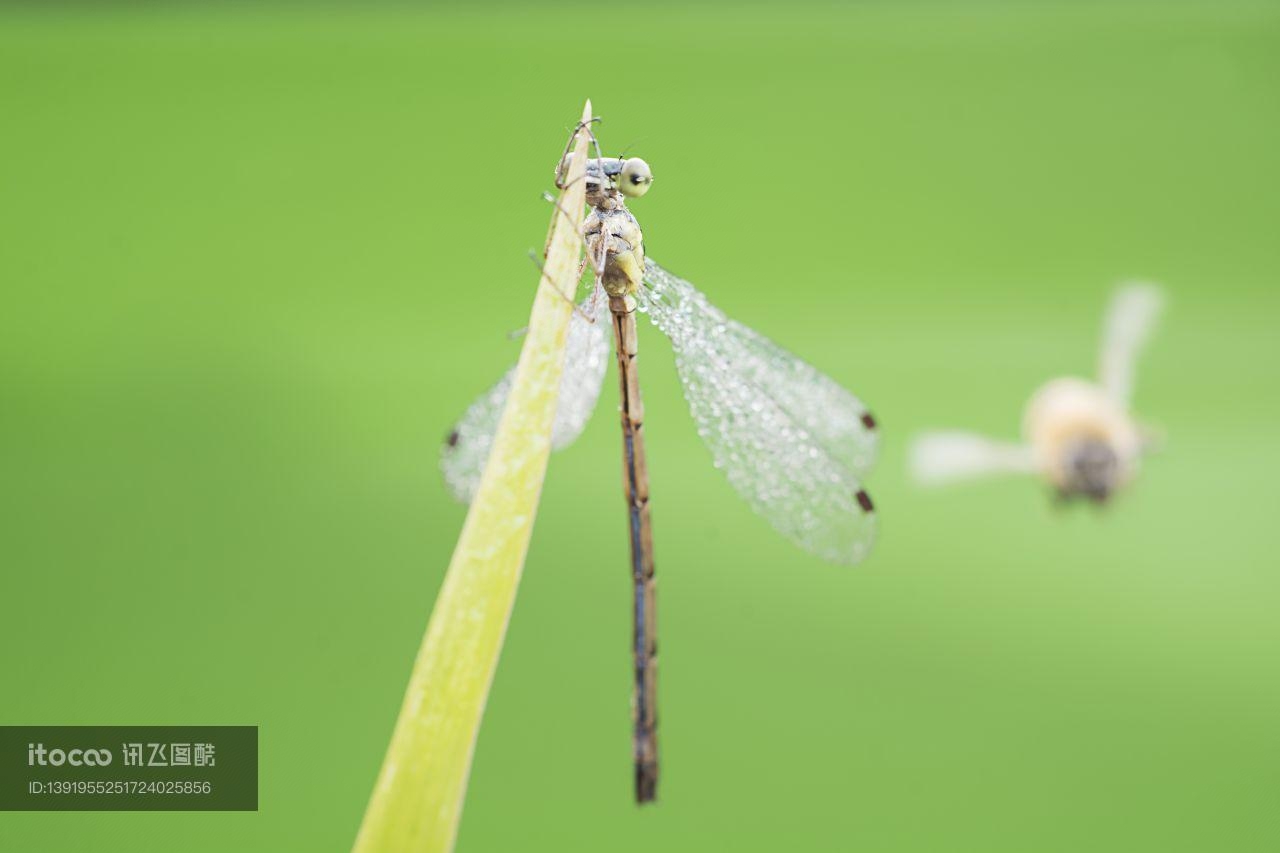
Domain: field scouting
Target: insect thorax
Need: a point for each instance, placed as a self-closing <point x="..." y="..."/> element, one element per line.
<point x="611" y="222"/>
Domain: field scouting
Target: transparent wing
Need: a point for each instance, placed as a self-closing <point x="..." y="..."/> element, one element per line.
<point x="463" y="457"/>
<point x="792" y="442"/>
<point x="1130" y="320"/>
<point x="945" y="457"/>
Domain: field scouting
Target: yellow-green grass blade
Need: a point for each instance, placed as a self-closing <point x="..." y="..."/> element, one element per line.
<point x="417" y="802"/>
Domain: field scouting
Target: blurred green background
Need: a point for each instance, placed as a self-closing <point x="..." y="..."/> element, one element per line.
<point x="255" y="261"/>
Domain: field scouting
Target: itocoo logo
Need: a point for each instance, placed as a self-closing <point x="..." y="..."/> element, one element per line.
<point x="37" y="754"/>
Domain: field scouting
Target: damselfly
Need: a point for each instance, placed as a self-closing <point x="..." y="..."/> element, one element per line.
<point x="1079" y="436"/>
<point x="793" y="443"/>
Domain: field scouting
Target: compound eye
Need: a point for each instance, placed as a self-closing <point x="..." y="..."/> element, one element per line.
<point x="635" y="178"/>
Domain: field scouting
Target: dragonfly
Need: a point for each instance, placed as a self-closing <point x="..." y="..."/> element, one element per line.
<point x="793" y="443"/>
<point x="1079" y="436"/>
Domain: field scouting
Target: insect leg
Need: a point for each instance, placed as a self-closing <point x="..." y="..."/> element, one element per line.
<point x="560" y="166"/>
<point x="545" y="280"/>
<point x="597" y="268"/>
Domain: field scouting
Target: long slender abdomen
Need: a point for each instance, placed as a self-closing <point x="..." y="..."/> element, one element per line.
<point x="636" y="491"/>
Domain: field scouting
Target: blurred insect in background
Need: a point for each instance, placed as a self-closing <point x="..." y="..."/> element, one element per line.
<point x="1078" y="435"/>
<point x="793" y="443"/>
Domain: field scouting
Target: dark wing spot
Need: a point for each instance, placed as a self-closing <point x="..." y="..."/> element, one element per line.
<point x="868" y="420"/>
<point x="452" y="440"/>
<point x="864" y="501"/>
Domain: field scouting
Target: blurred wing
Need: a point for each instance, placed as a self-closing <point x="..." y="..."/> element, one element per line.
<point x="1129" y="322"/>
<point x="463" y="457"/>
<point x="945" y="457"/>
<point x="792" y="442"/>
